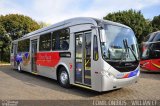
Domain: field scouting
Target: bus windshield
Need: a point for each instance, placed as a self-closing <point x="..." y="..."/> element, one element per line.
<point x="119" y="44"/>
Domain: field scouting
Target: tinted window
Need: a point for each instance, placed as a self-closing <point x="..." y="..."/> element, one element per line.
<point x="151" y="37"/>
<point x="45" y="42"/>
<point x="54" y="41"/>
<point x="60" y="40"/>
<point x="64" y="39"/>
<point x="157" y="37"/>
<point x="155" y="50"/>
<point x="145" y="53"/>
<point x="95" y="48"/>
<point x="151" y="51"/>
<point x="23" y="45"/>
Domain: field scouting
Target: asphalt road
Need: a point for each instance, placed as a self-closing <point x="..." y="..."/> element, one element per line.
<point x="25" y="86"/>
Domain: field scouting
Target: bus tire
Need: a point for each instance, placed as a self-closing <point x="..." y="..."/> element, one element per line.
<point x="19" y="67"/>
<point x="63" y="78"/>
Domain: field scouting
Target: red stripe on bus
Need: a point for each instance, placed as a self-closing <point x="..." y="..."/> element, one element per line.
<point x="50" y="59"/>
<point x="126" y="75"/>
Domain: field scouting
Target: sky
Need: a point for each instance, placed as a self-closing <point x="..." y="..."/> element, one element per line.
<point x="53" y="11"/>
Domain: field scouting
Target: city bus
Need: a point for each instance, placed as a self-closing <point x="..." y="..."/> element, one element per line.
<point x="91" y="53"/>
<point x="150" y="59"/>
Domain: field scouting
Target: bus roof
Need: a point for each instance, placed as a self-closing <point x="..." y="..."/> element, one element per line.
<point x="72" y="22"/>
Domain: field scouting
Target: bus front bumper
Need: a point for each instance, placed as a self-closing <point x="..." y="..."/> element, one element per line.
<point x="111" y="83"/>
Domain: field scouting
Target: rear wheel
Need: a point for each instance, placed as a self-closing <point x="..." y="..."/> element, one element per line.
<point x="63" y="78"/>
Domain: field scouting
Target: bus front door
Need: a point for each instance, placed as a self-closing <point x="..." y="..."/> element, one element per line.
<point x="33" y="56"/>
<point x="83" y="58"/>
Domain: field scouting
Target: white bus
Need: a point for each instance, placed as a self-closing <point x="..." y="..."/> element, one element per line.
<point x="95" y="54"/>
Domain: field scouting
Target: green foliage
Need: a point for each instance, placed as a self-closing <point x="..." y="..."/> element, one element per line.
<point x="5" y="40"/>
<point x="133" y="19"/>
<point x="2" y="33"/>
<point x="156" y="23"/>
<point x="13" y="26"/>
<point x="18" y="25"/>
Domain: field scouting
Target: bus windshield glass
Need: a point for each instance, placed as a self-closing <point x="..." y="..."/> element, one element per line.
<point x="119" y="44"/>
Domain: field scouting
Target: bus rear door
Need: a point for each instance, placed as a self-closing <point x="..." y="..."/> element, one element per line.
<point x="33" y="56"/>
<point x="13" y="55"/>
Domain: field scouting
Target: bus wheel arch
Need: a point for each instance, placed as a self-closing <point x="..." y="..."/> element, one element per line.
<point x="63" y="77"/>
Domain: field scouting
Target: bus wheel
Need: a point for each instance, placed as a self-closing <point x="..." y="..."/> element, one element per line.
<point x="19" y="67"/>
<point x="63" y="78"/>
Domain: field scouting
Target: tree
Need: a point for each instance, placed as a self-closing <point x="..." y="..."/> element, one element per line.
<point x="133" y="19"/>
<point x="5" y="40"/>
<point x="14" y="26"/>
<point x="156" y="23"/>
<point x="18" y="25"/>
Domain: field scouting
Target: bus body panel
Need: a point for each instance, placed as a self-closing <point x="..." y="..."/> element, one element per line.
<point x="145" y="64"/>
<point x="110" y="83"/>
<point x="96" y="66"/>
<point x="150" y="65"/>
<point x="155" y="64"/>
<point x="24" y="59"/>
<point x="113" y="79"/>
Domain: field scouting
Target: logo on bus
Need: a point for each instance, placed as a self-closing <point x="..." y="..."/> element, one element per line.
<point x="23" y="58"/>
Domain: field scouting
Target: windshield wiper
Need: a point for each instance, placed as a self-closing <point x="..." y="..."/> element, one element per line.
<point x="125" y="43"/>
<point x="126" y="54"/>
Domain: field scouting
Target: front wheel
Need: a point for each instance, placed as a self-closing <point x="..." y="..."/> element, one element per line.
<point x="63" y="78"/>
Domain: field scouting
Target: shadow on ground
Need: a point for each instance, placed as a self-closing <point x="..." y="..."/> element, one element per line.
<point x="36" y="80"/>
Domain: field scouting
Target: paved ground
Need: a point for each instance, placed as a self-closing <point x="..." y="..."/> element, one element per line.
<point x="25" y="86"/>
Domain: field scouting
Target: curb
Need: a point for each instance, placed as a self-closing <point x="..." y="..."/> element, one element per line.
<point x="5" y="64"/>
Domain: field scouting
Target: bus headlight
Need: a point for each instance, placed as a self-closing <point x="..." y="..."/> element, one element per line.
<point x="108" y="74"/>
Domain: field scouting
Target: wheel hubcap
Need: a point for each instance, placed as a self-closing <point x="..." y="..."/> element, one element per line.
<point x="64" y="77"/>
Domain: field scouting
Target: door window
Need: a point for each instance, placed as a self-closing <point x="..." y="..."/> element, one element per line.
<point x="83" y="58"/>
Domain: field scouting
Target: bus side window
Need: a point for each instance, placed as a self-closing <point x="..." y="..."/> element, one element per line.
<point x="64" y="39"/>
<point x="45" y="42"/>
<point x="95" y="48"/>
<point x="157" y="38"/>
<point x="23" y="45"/>
<point x="156" y="50"/>
<point x="54" y="40"/>
<point x="60" y="39"/>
